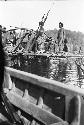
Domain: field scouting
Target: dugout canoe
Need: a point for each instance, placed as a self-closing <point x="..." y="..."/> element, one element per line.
<point x="43" y="101"/>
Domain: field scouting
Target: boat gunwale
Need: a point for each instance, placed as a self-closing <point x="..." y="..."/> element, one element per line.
<point x="45" y="82"/>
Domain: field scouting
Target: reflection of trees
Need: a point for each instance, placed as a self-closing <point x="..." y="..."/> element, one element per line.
<point x="31" y="64"/>
<point x="36" y="66"/>
<point x="52" y="68"/>
<point x="61" y="75"/>
<point x="57" y="70"/>
<point x="16" y="61"/>
<point x="71" y="77"/>
<point x="80" y="72"/>
<point x="63" y="71"/>
<point x="80" y="76"/>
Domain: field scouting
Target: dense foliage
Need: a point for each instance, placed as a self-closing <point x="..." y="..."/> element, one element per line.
<point x="75" y="39"/>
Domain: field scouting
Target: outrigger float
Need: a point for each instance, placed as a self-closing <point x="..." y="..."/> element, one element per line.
<point x="49" y="55"/>
<point x="39" y="100"/>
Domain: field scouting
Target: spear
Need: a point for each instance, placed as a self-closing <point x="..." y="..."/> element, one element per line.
<point x="45" y="18"/>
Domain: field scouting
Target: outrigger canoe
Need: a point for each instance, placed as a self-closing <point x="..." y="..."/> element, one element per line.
<point x="39" y="100"/>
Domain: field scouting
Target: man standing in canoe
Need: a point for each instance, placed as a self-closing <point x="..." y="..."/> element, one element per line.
<point x="61" y="37"/>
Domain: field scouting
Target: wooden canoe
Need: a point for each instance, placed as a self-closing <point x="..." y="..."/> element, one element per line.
<point x="40" y="100"/>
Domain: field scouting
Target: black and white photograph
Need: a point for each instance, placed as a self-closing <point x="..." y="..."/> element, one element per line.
<point x="41" y="62"/>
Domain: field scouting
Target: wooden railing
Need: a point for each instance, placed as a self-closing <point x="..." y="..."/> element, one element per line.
<point x="74" y="96"/>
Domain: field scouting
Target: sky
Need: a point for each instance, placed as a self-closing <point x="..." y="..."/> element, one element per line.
<point x="29" y="13"/>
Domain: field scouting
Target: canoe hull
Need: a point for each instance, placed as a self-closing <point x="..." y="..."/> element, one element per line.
<point x="47" y="101"/>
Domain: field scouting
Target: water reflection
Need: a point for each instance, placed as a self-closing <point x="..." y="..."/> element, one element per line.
<point x="57" y="70"/>
<point x="71" y="71"/>
<point x="80" y="75"/>
<point x="63" y="70"/>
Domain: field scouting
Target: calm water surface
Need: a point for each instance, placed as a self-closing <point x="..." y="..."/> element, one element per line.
<point x="63" y="70"/>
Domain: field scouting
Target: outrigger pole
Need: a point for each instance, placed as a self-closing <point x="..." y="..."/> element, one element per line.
<point x="20" y="28"/>
<point x="45" y="18"/>
<point x="39" y="32"/>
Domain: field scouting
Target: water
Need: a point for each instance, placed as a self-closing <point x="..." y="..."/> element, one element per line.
<point x="63" y="70"/>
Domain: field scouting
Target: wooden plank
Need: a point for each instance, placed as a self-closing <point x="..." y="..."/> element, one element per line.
<point x="46" y="83"/>
<point x="36" y="112"/>
<point x="53" y="54"/>
<point x="60" y="55"/>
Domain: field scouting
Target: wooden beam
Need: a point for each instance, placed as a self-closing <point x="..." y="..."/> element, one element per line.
<point x="33" y="110"/>
<point x="45" y="83"/>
